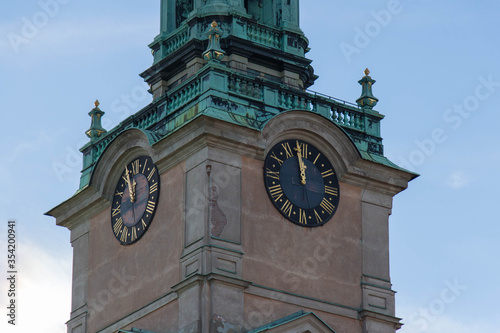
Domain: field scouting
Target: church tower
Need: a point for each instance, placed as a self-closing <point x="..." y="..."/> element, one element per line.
<point x="236" y="201"/>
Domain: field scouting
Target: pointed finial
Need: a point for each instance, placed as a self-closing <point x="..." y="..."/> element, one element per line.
<point x="96" y="129"/>
<point x="367" y="101"/>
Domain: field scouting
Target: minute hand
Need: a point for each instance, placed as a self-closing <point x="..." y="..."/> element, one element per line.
<point x="302" y="166"/>
<point x="131" y="188"/>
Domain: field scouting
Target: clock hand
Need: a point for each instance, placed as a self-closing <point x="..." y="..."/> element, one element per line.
<point x="131" y="190"/>
<point x="302" y="166"/>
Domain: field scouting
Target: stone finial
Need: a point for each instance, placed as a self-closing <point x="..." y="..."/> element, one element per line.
<point x="96" y="129"/>
<point x="214" y="51"/>
<point x="367" y="101"/>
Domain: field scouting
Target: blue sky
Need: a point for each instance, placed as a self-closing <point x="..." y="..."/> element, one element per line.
<point x="438" y="81"/>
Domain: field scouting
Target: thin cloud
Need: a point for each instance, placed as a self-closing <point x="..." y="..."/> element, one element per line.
<point x="458" y="180"/>
<point x="42" y="279"/>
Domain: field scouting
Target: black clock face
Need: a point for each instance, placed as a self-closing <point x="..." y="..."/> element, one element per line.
<point x="135" y="200"/>
<point x="301" y="183"/>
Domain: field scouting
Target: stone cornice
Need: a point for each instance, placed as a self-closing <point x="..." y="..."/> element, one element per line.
<point x="377" y="177"/>
<point x="212" y="277"/>
<point x="207" y="132"/>
<point x="303" y="301"/>
<point x="395" y="321"/>
<point x="80" y="207"/>
<point x="141" y="312"/>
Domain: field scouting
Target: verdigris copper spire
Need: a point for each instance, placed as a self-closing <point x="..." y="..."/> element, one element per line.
<point x="367" y="100"/>
<point x="214" y="51"/>
<point x="96" y="129"/>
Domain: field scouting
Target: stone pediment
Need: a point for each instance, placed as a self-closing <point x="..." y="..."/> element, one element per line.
<point x="299" y="322"/>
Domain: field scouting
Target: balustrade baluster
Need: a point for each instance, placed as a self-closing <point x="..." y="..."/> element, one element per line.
<point x="357" y="123"/>
<point x="340" y="117"/>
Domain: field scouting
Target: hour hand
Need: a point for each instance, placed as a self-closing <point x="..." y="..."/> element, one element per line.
<point x="302" y="166"/>
<point x="131" y="188"/>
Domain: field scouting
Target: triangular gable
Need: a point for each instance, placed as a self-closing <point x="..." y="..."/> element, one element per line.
<point x="299" y="322"/>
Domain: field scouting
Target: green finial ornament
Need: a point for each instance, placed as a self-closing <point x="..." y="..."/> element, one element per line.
<point x="214" y="51"/>
<point x="367" y="101"/>
<point x="95" y="130"/>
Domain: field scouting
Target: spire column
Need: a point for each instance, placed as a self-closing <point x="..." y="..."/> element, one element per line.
<point x="367" y="101"/>
<point x="96" y="129"/>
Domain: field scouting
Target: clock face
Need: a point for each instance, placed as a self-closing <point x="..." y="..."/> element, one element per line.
<point x="135" y="200"/>
<point x="301" y="183"/>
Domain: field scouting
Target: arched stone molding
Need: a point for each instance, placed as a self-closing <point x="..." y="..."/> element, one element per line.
<point x="315" y="129"/>
<point x="347" y="160"/>
<point x="125" y="147"/>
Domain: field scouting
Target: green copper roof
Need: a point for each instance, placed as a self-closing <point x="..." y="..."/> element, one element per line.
<point x="244" y="68"/>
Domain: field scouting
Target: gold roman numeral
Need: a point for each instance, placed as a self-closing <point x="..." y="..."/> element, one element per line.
<point x="116" y="211"/>
<point x="304" y="150"/>
<point x="288" y="150"/>
<point x="316" y="159"/>
<point x="287" y="208"/>
<point x="331" y="190"/>
<point x="144" y="225"/>
<point x="150" y="207"/>
<point x="124" y="236"/>
<point x="327" y="173"/>
<point x="144" y="168"/>
<point x="302" y="216"/>
<point x="118" y="226"/>
<point x="276" y="192"/>
<point x="273" y="174"/>
<point x="328" y="206"/>
<point x="318" y="218"/>
<point x="135" y="167"/>
<point x="119" y="193"/>
<point x="273" y="155"/>
<point x="153" y="188"/>
<point x="133" y="237"/>
<point x="151" y="174"/>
